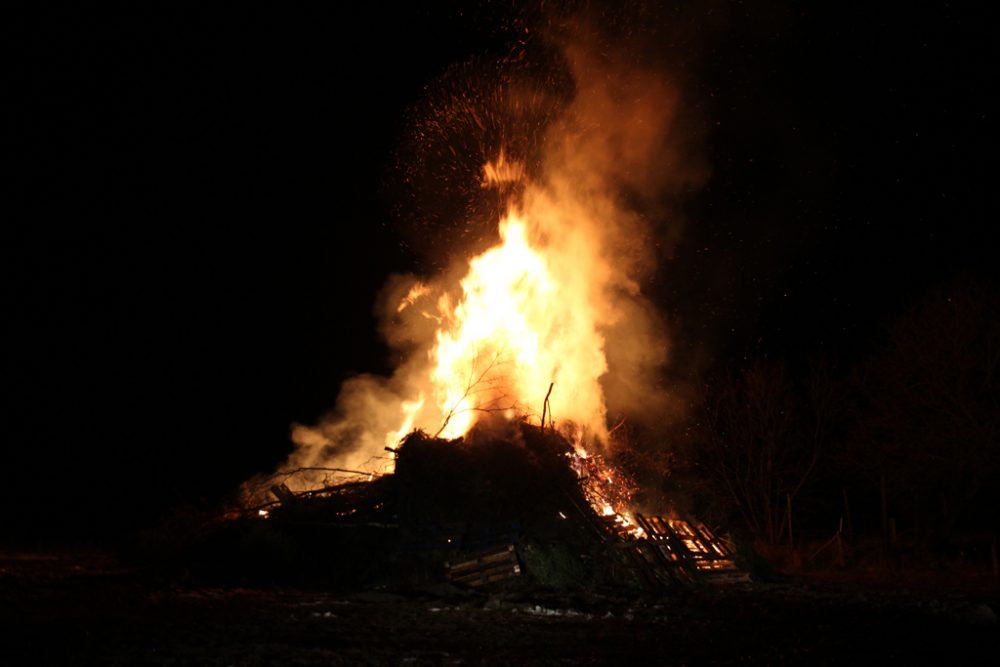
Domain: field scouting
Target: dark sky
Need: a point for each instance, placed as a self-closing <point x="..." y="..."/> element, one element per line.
<point x="198" y="220"/>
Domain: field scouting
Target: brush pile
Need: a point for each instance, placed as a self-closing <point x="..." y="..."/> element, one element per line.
<point x="503" y="506"/>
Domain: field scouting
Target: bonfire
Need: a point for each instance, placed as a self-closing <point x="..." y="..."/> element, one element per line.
<point x="494" y="462"/>
<point x="512" y="357"/>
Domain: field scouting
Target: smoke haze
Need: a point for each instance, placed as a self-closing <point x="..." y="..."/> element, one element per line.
<point x="597" y="163"/>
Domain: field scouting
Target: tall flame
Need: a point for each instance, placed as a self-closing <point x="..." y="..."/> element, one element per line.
<point x="517" y="329"/>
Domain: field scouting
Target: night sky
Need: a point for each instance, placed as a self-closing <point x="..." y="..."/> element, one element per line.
<point x="201" y="210"/>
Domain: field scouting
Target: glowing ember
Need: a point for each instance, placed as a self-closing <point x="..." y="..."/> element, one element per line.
<point x="608" y="491"/>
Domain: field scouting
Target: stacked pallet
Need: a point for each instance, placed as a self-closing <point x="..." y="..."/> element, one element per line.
<point x="485" y="567"/>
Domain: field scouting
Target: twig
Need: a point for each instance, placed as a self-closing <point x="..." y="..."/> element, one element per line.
<point x="473" y="388"/>
<point x="617" y="426"/>
<point x="545" y="403"/>
<point x="828" y="543"/>
<point x="296" y="471"/>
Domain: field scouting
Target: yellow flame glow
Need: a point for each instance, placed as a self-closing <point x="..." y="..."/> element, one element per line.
<point x="522" y="323"/>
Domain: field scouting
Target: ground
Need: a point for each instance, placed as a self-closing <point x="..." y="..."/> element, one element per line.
<point x="82" y="608"/>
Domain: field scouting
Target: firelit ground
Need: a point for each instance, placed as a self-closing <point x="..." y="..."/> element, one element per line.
<point x="73" y="608"/>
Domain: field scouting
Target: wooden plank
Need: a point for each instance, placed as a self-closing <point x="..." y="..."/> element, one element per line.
<point x="485" y="567"/>
<point x="662" y="527"/>
<point x="484" y="559"/>
<point x="711" y="541"/>
<point x="504" y="565"/>
<point x="691" y="551"/>
<point x="478" y="577"/>
<point x="283" y="493"/>
<point x="641" y="563"/>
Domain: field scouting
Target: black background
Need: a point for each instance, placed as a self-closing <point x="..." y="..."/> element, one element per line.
<point x="197" y="222"/>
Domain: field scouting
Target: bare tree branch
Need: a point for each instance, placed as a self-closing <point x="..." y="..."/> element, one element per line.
<point x="477" y="385"/>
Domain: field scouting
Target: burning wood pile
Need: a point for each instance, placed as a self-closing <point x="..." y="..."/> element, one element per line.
<point x="473" y="491"/>
<point x="557" y="179"/>
<point x="509" y="502"/>
<point x="490" y="497"/>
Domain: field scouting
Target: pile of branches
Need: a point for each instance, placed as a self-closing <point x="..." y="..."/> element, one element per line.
<point x="509" y="483"/>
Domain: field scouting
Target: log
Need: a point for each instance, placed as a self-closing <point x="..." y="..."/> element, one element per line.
<point x="283" y="493"/>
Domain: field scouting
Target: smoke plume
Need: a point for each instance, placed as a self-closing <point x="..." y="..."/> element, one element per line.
<point x="585" y="136"/>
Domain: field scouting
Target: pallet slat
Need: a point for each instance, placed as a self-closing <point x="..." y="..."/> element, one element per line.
<point x="690" y="551"/>
<point x="485" y="567"/>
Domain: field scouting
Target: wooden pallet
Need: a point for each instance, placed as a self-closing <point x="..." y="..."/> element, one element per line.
<point x="690" y="551"/>
<point x="485" y="567"/>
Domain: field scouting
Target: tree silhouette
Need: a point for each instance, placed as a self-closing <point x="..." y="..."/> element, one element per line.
<point x="931" y="402"/>
<point x="761" y="440"/>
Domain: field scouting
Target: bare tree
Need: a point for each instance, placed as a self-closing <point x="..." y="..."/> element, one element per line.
<point x="760" y="443"/>
<point x="931" y="422"/>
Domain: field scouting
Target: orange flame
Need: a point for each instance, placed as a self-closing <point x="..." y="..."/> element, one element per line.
<point x="518" y="327"/>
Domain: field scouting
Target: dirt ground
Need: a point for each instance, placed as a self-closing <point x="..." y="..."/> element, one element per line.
<point x="80" y="608"/>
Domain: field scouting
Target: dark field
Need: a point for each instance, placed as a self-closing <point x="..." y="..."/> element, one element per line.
<point x="82" y="608"/>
